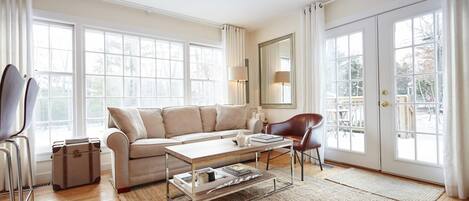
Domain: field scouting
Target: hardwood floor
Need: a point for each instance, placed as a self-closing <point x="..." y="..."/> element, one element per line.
<point x="104" y="190"/>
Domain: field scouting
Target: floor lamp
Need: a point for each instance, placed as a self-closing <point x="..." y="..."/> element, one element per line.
<point x="282" y="77"/>
<point x="240" y="75"/>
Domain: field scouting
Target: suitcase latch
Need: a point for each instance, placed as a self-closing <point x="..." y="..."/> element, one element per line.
<point x="76" y="154"/>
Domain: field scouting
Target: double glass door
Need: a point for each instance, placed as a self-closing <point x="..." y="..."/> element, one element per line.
<point x="389" y="116"/>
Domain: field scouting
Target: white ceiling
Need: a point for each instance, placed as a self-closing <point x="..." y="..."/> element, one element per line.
<point x="245" y="13"/>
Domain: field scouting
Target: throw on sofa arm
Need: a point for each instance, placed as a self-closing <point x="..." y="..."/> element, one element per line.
<point x="118" y="142"/>
<point x="254" y="125"/>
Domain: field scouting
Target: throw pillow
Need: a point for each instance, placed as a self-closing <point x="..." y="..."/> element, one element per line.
<point x="128" y="120"/>
<point x="153" y="122"/>
<point x="231" y="117"/>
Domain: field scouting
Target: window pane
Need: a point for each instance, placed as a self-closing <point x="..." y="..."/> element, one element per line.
<point x="62" y="37"/>
<point x="332" y="137"/>
<point x="403" y="61"/>
<point x="426" y="118"/>
<point x="131" y="45"/>
<point x="148" y="87"/>
<point x="163" y="89"/>
<point x="424" y="59"/>
<point x="148" y="67"/>
<point x="404" y="89"/>
<point x="356" y="44"/>
<point x="343" y="72"/>
<point x="425" y="88"/>
<point x="114" y="86"/>
<point x="95" y="127"/>
<point x="61" y="86"/>
<point x="148" y="47"/>
<point x="177" y="69"/>
<point x="94" y="63"/>
<point x="426" y="148"/>
<point x="131" y="87"/>
<point x="94" y="86"/>
<point x="61" y="130"/>
<point x="61" y="109"/>
<point x="114" y="64"/>
<point x="162" y="68"/>
<point x="423" y="29"/>
<point x="403" y="33"/>
<point x="356" y="65"/>
<point x="94" y="108"/>
<point x="406" y="146"/>
<point x="94" y="40"/>
<point x="177" y="88"/>
<point x="342" y="47"/>
<point x="113" y="43"/>
<point x="42" y="110"/>
<point x="177" y="51"/>
<point x="344" y="138"/>
<point x="41" y="35"/>
<point x="62" y="61"/>
<point x="405" y="117"/>
<point x="41" y="59"/>
<point x="162" y="49"/>
<point x="131" y="66"/>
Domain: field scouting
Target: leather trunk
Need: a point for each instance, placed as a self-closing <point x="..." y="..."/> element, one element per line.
<point x="75" y="164"/>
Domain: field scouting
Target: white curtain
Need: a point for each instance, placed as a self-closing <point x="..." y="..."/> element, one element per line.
<point x="313" y="47"/>
<point x="456" y="48"/>
<point x="235" y="52"/>
<point x="15" y="48"/>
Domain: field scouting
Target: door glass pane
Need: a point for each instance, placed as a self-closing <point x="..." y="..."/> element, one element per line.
<point x="418" y="89"/>
<point x="345" y="92"/>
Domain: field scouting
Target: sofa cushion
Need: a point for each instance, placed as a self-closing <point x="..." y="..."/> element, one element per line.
<point x="231" y="133"/>
<point x="209" y="117"/>
<point x="182" y="120"/>
<point x="128" y="120"/>
<point x="196" y="137"/>
<point x="153" y="122"/>
<point x="231" y="117"/>
<point x="150" y="147"/>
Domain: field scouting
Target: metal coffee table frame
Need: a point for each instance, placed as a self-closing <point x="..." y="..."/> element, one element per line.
<point x="235" y="188"/>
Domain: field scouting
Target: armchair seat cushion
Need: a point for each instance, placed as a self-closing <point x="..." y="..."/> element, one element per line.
<point x="196" y="137"/>
<point x="142" y="148"/>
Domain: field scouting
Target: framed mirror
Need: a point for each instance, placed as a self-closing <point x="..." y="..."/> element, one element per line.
<point x="277" y="72"/>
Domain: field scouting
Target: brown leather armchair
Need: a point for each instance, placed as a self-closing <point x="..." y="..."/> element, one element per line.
<point x="299" y="129"/>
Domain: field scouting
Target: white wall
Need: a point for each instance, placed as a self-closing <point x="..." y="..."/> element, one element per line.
<point x="284" y="25"/>
<point x="101" y="13"/>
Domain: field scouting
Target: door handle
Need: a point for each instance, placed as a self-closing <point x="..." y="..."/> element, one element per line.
<point x="385" y="104"/>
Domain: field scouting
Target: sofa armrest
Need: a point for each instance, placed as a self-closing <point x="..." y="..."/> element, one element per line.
<point x="254" y="125"/>
<point x="119" y="144"/>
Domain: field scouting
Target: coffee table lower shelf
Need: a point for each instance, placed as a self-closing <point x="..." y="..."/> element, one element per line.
<point x="266" y="176"/>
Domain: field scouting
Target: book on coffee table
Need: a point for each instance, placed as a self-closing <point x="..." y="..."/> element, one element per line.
<point x="185" y="180"/>
<point x="266" y="138"/>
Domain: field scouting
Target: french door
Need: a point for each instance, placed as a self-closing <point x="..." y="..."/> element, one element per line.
<point x="352" y="94"/>
<point x="411" y="92"/>
<point x="384" y="110"/>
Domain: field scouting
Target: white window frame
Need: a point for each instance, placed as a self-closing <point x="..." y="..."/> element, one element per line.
<point x="79" y="76"/>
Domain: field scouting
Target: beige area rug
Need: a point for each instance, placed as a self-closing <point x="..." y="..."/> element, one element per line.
<point x="387" y="186"/>
<point x="311" y="189"/>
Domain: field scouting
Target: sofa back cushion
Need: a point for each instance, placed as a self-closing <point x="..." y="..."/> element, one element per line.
<point x="209" y="117"/>
<point x="182" y="120"/>
<point x="129" y="121"/>
<point x="153" y="122"/>
<point x="231" y="117"/>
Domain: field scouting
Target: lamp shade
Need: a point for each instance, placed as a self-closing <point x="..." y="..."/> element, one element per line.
<point x="282" y="76"/>
<point x="239" y="73"/>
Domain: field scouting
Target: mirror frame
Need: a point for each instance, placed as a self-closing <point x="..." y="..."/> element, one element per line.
<point x="291" y="105"/>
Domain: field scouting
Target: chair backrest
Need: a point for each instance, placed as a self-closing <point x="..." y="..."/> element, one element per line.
<point x="11" y="88"/>
<point x="30" y="96"/>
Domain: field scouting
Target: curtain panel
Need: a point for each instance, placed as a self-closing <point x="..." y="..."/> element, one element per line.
<point x="456" y="50"/>
<point x="234" y="43"/>
<point x="16" y="48"/>
<point x="313" y="29"/>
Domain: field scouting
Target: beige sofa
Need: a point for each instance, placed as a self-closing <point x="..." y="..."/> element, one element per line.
<point x="139" y="161"/>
